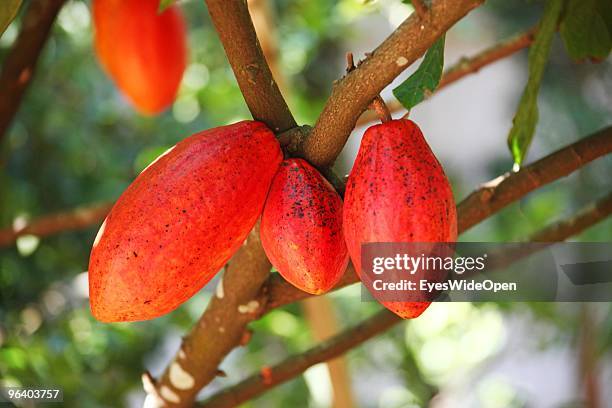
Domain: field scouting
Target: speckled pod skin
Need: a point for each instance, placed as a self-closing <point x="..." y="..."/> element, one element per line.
<point x="397" y="192"/>
<point x="301" y="228"/>
<point x="180" y="221"/>
<point x="143" y="51"/>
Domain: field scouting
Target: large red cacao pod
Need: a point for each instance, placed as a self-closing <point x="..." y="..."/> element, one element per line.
<point x="301" y="228"/>
<point x="397" y="192"/>
<point x="142" y="50"/>
<point x="180" y="221"/>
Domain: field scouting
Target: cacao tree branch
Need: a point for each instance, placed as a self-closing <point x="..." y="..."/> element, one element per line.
<point x="19" y="64"/>
<point x="490" y="55"/>
<point x="352" y="94"/>
<point x="350" y="338"/>
<point x="467" y="66"/>
<point x="583" y="219"/>
<point x="261" y="93"/>
<point x="220" y="328"/>
<point x="293" y="366"/>
<point x="498" y="193"/>
<point x="75" y="219"/>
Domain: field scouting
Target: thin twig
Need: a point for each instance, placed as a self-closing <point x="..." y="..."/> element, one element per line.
<point x="490" y="55"/>
<point x="379" y="106"/>
<point x="18" y="66"/>
<point x="269" y="377"/>
<point x="583" y="219"/>
<point x="73" y="220"/>
<point x="382" y="321"/>
<point x="467" y="66"/>
<point x="498" y="193"/>
<point x="350" y="62"/>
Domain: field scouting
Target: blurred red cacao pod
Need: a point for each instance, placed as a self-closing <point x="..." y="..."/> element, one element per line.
<point x="142" y="50"/>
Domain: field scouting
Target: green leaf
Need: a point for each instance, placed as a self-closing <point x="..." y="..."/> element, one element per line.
<point x="163" y="5"/>
<point x="584" y="29"/>
<point x="526" y="116"/>
<point x="147" y="156"/>
<point x="8" y="11"/>
<point x="425" y="79"/>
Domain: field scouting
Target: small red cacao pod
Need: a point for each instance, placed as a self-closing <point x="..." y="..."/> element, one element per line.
<point x="180" y="221"/>
<point x="397" y="192"/>
<point x="301" y="228"/>
<point x="143" y="51"/>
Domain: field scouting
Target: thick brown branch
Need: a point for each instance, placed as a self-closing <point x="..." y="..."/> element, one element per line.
<point x="76" y="219"/>
<point x="261" y="93"/>
<point x="295" y="365"/>
<point x="496" y="194"/>
<point x="18" y="66"/>
<point x="467" y="66"/>
<point x="220" y="328"/>
<point x="352" y="95"/>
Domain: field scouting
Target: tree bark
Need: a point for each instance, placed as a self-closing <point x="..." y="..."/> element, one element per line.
<point x="20" y="63"/>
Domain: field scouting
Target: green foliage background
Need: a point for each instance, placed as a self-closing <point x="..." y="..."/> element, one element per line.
<point x="75" y="141"/>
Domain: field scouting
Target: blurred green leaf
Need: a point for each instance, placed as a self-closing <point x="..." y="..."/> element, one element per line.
<point x="147" y="156"/>
<point x="425" y="79"/>
<point x="8" y="11"/>
<point x="584" y="30"/>
<point x="526" y="117"/>
<point x="14" y="357"/>
<point x="163" y="5"/>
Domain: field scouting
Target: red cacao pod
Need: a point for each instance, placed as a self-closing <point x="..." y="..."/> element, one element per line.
<point x="397" y="192"/>
<point x="180" y="221"/>
<point x="142" y="50"/>
<point x="301" y="228"/>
